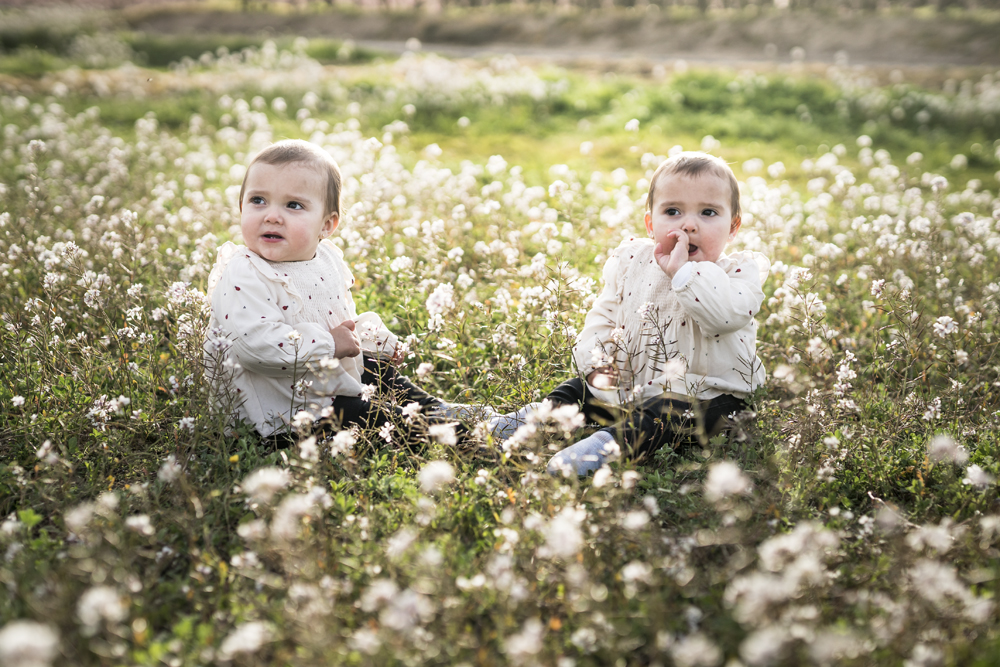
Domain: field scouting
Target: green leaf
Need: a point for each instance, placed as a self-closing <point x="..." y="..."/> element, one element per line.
<point x="29" y="518"/>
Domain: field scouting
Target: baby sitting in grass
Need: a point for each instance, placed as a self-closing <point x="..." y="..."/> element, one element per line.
<point x="668" y="350"/>
<point x="284" y="332"/>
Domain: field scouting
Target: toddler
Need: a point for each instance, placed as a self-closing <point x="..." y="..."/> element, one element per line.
<point x="668" y="349"/>
<point x="285" y="335"/>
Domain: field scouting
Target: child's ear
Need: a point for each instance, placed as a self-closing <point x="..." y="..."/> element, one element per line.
<point x="329" y="225"/>
<point x="735" y="227"/>
<point x="649" y="223"/>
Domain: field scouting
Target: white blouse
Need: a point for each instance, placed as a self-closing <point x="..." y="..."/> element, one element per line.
<point x="693" y="336"/>
<point x="269" y="333"/>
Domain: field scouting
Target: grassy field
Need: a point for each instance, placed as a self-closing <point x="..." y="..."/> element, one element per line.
<point x="851" y="519"/>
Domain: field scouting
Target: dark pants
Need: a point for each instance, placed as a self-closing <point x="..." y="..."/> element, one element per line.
<point x="657" y="422"/>
<point x="393" y="390"/>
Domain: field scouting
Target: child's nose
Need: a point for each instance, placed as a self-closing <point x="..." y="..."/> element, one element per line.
<point x="273" y="214"/>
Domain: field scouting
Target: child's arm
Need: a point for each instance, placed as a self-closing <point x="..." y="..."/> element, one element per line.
<point x="721" y="300"/>
<point x="247" y="307"/>
<point x="597" y="331"/>
<point x="374" y="337"/>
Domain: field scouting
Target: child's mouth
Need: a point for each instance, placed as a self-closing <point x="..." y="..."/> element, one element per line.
<point x="692" y="248"/>
<point x="272" y="237"/>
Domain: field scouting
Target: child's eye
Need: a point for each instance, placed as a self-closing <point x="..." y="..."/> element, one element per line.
<point x="709" y="213"/>
<point x="672" y="211"/>
<point x="256" y="199"/>
<point x="295" y="205"/>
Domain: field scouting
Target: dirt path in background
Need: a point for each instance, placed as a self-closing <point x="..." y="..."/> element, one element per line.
<point x="901" y="41"/>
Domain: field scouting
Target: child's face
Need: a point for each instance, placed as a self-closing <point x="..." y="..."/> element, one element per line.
<point x="697" y="205"/>
<point x="281" y="214"/>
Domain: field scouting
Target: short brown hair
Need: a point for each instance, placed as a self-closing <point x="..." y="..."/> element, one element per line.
<point x="692" y="163"/>
<point x="289" y="151"/>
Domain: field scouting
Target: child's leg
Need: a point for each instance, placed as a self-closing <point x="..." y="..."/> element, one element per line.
<point x="670" y="422"/>
<point x="587" y="455"/>
<point x="503" y="426"/>
<point x="571" y="392"/>
<point x="404" y="391"/>
<point x="657" y="423"/>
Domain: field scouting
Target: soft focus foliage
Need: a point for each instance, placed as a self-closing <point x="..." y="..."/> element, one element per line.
<point x="854" y="519"/>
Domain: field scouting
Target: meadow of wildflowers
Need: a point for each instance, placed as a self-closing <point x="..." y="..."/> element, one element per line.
<point x="852" y="518"/>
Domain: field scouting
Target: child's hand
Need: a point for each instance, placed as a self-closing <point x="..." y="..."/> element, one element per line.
<point x="673" y="254"/>
<point x="345" y="340"/>
<point x="605" y="377"/>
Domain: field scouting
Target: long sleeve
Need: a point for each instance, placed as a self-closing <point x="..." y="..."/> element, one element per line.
<point x="694" y="334"/>
<point x="251" y="309"/>
<point x="376" y="338"/>
<point x="271" y="344"/>
<point x="720" y="300"/>
<point x="600" y="322"/>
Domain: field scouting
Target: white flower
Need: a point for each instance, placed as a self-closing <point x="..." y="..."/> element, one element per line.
<point x="441" y="300"/>
<point x="635" y="519"/>
<point x="945" y="325"/>
<point x="944" y="448"/>
<point x="78" y="518"/>
<point x="378" y="593"/>
<point x="978" y="477"/>
<point x="424" y="369"/>
<point x="397" y="545"/>
<point x="140" y="523"/>
<point x="169" y="471"/>
<point x="17" y="401"/>
<point x="443" y="433"/>
<point x="637" y="571"/>
<point x="523" y="645"/>
<point x="186" y="424"/>
<point x="263" y="483"/>
<point x="695" y="651"/>
<point x="343" y="443"/>
<point x="405" y="609"/>
<point x="285" y="522"/>
<point x="940" y="537"/>
<point x="563" y="537"/>
<point x="247" y="638"/>
<point x="602" y="477"/>
<point x="725" y="479"/>
<point x="309" y="449"/>
<point x="365" y="639"/>
<point x="26" y="643"/>
<point x="100" y="603"/>
<point x="434" y="475"/>
<point x="386" y="431"/>
<point x="632" y="125"/>
<point x="411" y="410"/>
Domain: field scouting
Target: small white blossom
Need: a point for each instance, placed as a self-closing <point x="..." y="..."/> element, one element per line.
<point x="247" y="638"/>
<point x="944" y="448"/>
<point x="263" y="483"/>
<point x="435" y="475"/>
<point x="977" y="477"/>
<point x="26" y="643"/>
<point x="725" y="479"/>
<point x="170" y="471"/>
<point x="100" y="603"/>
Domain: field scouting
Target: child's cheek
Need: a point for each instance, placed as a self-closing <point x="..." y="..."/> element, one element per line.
<point x="661" y="235"/>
